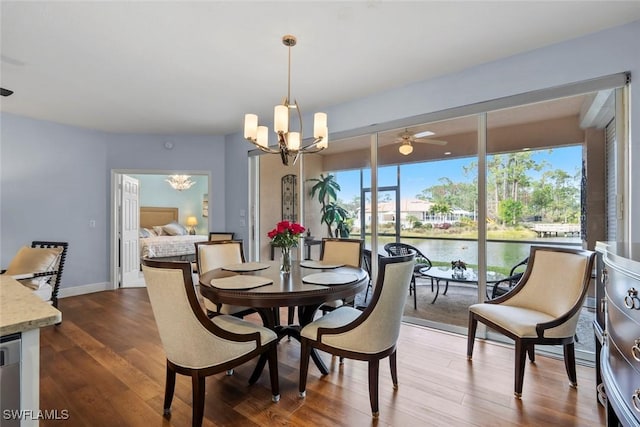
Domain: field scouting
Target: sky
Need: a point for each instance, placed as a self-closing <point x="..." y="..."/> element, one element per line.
<point x="417" y="176"/>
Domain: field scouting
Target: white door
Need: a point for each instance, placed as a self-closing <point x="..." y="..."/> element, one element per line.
<point x="130" y="274"/>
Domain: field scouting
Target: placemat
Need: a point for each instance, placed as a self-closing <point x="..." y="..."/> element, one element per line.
<point x="319" y="265"/>
<point x="246" y="266"/>
<point x="328" y="279"/>
<point x="240" y="282"/>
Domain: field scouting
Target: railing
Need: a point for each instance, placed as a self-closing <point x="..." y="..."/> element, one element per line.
<point x="502" y="254"/>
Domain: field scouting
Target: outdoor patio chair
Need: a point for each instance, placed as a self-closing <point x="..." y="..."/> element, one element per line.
<point x="506" y="285"/>
<point x="542" y="309"/>
<point x="398" y="249"/>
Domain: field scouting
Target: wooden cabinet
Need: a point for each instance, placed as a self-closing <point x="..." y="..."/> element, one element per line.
<point x="619" y="330"/>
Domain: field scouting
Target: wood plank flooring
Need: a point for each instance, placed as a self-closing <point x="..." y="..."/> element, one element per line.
<point x="106" y="366"/>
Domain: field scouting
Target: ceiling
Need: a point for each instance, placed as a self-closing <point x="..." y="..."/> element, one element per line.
<point x="182" y="67"/>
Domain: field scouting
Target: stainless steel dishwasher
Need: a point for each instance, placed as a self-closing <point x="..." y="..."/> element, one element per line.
<point x="10" y="380"/>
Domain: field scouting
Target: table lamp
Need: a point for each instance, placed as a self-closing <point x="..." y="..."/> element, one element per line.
<point x="192" y="221"/>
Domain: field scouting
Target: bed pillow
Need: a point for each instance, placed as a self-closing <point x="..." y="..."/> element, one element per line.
<point x="175" y="229"/>
<point x="157" y="229"/>
<point x="34" y="260"/>
<point x="145" y="232"/>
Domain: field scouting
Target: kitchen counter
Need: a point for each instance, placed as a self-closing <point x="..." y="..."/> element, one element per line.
<point x="21" y="310"/>
<point x="22" y="314"/>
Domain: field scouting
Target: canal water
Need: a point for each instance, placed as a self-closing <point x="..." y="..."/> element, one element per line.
<point x="500" y="255"/>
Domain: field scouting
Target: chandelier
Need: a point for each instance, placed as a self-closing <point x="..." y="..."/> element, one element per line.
<point x="289" y="141"/>
<point x="180" y="182"/>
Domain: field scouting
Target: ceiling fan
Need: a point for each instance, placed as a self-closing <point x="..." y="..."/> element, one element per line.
<point x="406" y="139"/>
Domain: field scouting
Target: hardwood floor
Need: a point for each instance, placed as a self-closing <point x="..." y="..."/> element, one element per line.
<point x="105" y="365"/>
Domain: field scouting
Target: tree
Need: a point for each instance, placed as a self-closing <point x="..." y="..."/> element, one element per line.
<point x="440" y="209"/>
<point x="326" y="189"/>
<point x="510" y="211"/>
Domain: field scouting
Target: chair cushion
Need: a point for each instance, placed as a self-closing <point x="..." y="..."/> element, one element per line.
<point x="44" y="292"/>
<point x="34" y="260"/>
<point x="517" y="320"/>
<point x="334" y="319"/>
<point x="239" y="326"/>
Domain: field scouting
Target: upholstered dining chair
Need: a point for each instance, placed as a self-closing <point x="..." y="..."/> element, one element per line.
<point x="542" y="309"/>
<point x="368" y="335"/>
<point x="39" y="267"/>
<point x="215" y="254"/>
<point x="196" y="345"/>
<point x="340" y="251"/>
<point x="220" y="235"/>
<point x="397" y="248"/>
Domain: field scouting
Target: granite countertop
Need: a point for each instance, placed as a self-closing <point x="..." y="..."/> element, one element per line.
<point x="21" y="310"/>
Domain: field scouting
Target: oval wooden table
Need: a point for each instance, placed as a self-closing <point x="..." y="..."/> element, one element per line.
<point x="287" y="290"/>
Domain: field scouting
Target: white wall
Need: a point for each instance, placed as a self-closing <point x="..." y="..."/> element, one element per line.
<point x="608" y="52"/>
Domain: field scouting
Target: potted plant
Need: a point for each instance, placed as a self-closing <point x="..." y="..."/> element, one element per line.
<point x="326" y="190"/>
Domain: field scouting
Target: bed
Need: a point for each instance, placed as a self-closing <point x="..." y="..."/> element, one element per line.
<point x="155" y="243"/>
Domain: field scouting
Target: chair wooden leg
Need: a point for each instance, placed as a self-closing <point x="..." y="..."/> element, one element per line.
<point x="531" y="350"/>
<point x="169" y="388"/>
<point x="415" y="294"/>
<point x="197" y="386"/>
<point x="273" y="373"/>
<point x="471" y="335"/>
<point x="305" y="353"/>
<point x="570" y="363"/>
<point x="255" y="375"/>
<point x="394" y="370"/>
<point x="521" y="357"/>
<point x="374" y="367"/>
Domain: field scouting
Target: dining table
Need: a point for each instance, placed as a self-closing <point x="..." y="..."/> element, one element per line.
<point x="263" y="287"/>
<point x="446" y="274"/>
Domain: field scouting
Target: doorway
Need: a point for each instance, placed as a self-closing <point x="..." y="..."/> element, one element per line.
<point x="191" y="207"/>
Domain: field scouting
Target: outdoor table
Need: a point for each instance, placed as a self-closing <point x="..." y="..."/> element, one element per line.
<point x="446" y="274"/>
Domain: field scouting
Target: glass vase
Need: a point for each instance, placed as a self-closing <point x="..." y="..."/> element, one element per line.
<point x="285" y="260"/>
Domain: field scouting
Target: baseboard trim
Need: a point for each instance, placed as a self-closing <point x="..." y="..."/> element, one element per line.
<point x="84" y="289"/>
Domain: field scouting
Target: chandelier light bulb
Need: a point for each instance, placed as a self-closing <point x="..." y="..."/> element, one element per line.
<point x="180" y="182"/>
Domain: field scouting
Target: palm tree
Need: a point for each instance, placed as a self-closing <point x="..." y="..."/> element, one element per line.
<point x="327" y="189"/>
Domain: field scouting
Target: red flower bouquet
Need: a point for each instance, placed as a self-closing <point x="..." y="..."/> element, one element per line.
<point x="286" y="234"/>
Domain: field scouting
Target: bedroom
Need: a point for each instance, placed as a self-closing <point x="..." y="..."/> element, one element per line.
<point x="157" y="220"/>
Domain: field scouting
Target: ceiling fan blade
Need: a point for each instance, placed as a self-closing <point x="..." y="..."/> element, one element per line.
<point x="430" y="141"/>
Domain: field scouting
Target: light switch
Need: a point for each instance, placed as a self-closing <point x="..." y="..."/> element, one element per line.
<point x="243" y="212"/>
<point x="92" y="223"/>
